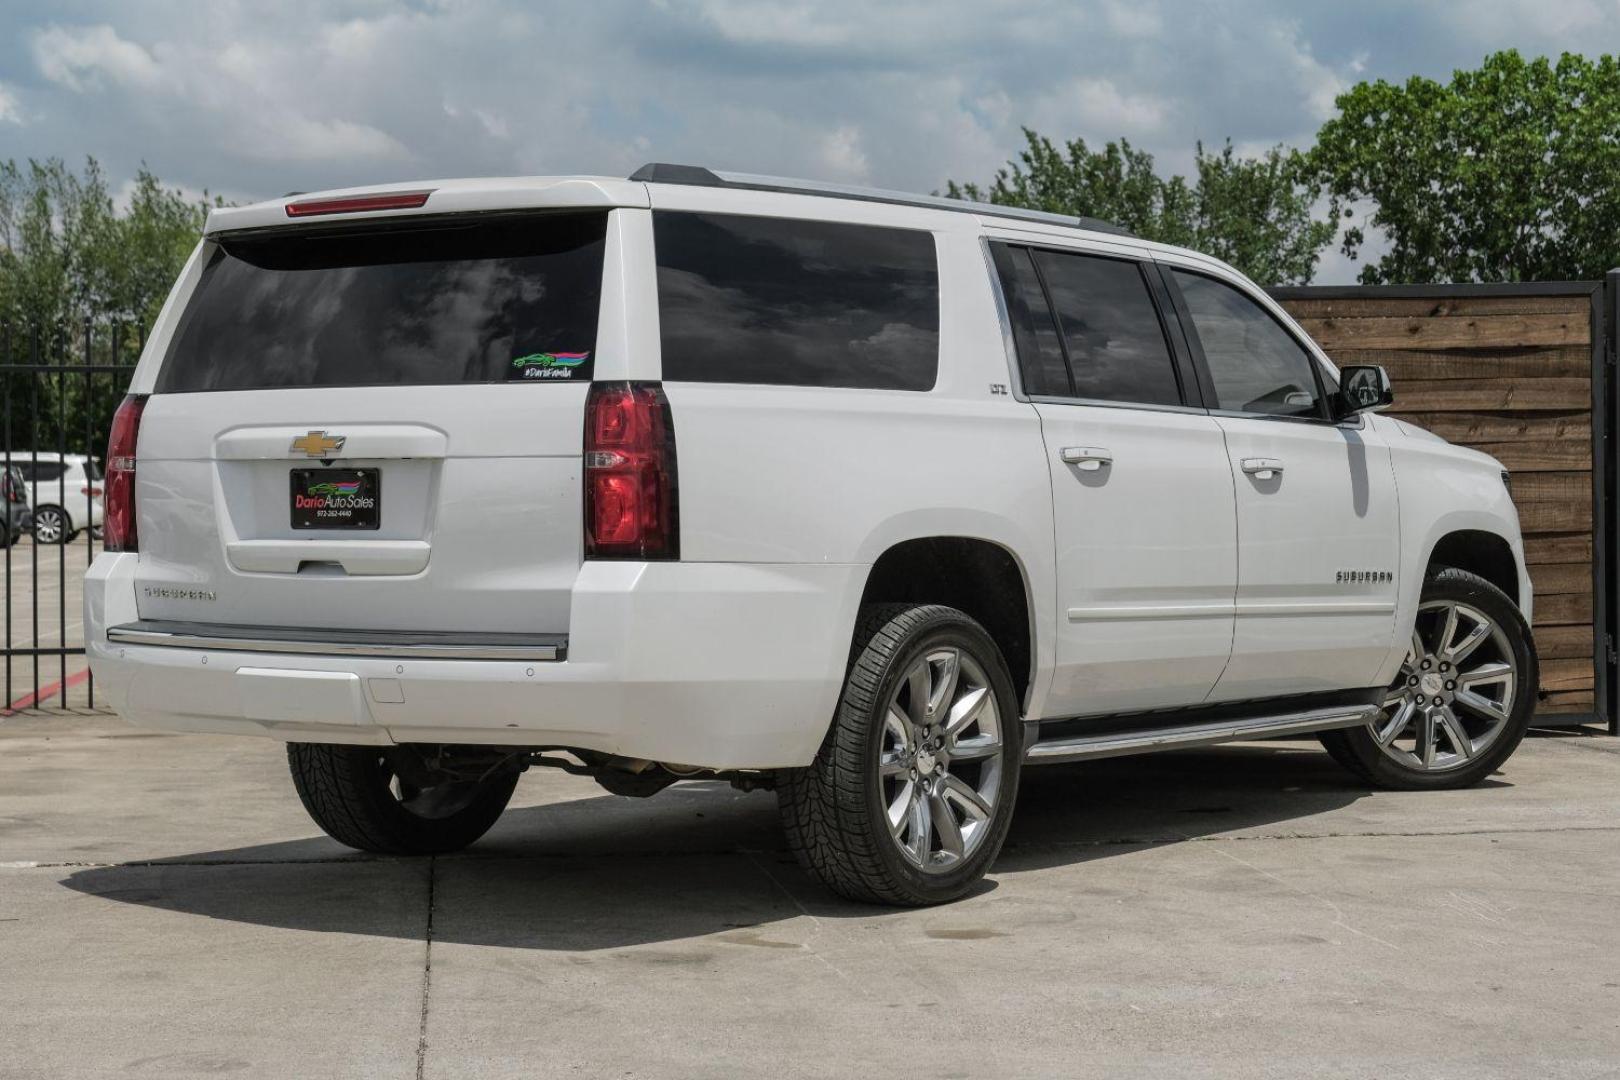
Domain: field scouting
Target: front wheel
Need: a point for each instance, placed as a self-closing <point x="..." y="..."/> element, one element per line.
<point x="381" y="800"/>
<point x="1463" y="699"/>
<point x="910" y="797"/>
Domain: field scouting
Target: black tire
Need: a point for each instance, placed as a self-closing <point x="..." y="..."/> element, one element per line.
<point x="348" y="791"/>
<point x="833" y="809"/>
<point x="1357" y="748"/>
<point x="44" y="516"/>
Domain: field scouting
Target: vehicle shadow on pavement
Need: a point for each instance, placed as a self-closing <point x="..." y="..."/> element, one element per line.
<point x="605" y="872"/>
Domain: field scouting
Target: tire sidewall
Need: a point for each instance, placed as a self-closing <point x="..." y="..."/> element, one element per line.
<point x="1465" y="588"/>
<point x="947" y="627"/>
<point x="346" y="791"/>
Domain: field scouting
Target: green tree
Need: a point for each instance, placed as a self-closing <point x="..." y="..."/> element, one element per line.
<point x="68" y="253"/>
<point x="1508" y="173"/>
<point x="1255" y="213"/>
<point x="80" y="278"/>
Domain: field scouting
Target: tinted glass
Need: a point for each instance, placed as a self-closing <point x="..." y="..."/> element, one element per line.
<point x="1256" y="365"/>
<point x="805" y="303"/>
<point x="1117" y="350"/>
<point x="1040" y="356"/>
<point x="504" y="300"/>
<point x="44" y="470"/>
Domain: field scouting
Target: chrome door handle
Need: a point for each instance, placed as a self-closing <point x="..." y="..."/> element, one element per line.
<point x="1262" y="468"/>
<point x="1087" y="458"/>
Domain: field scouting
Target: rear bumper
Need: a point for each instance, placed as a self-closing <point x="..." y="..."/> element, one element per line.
<point x="719" y="665"/>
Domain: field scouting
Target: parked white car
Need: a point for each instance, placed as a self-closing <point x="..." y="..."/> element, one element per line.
<point x="64" y="491"/>
<point x="870" y="498"/>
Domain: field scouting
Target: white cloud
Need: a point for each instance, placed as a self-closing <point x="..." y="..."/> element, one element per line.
<point x="762" y="22"/>
<point x="841" y="157"/>
<point x="300" y="138"/>
<point x="1099" y="102"/>
<point x="79" y="58"/>
<point x="262" y="98"/>
<point x="1132" y="19"/>
<point x="10" y="107"/>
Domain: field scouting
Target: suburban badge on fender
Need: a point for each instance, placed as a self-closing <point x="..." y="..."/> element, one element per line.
<point x="318" y="444"/>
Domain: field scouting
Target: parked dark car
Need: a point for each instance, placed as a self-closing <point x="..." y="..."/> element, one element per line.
<point x="17" y="518"/>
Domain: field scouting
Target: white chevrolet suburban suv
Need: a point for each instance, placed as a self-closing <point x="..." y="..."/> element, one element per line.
<point x="868" y="498"/>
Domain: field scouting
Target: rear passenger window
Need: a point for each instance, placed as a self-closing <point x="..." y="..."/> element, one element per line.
<point x="800" y="303"/>
<point x="1116" y="345"/>
<point x="1040" y="354"/>
<point x="44" y="470"/>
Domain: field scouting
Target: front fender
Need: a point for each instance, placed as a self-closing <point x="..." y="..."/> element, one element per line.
<point x="1444" y="490"/>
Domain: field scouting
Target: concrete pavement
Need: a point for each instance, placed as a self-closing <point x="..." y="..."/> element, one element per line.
<point x="166" y="909"/>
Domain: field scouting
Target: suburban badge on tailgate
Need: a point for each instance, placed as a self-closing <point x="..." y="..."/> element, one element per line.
<point x="318" y="444"/>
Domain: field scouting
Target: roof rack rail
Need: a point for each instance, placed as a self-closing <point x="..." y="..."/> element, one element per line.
<point x="659" y="172"/>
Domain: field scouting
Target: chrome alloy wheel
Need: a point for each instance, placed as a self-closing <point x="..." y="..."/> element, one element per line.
<point x="940" y="760"/>
<point x="49" y="526"/>
<point x="1455" y="691"/>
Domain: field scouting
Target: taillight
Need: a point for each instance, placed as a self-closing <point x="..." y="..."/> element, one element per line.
<point x="93" y="492"/>
<point x="631" y="496"/>
<point x="118" y="515"/>
<point x="13" y="490"/>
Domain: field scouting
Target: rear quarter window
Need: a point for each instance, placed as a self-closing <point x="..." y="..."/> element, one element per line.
<point x="507" y="299"/>
<point x="802" y="303"/>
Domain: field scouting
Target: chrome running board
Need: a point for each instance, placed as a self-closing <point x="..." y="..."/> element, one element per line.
<point x="1140" y="741"/>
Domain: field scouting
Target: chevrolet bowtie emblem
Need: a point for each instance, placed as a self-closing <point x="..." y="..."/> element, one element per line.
<point x="319" y="444"/>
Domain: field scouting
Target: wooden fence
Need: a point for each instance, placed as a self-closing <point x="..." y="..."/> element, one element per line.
<point x="1518" y="371"/>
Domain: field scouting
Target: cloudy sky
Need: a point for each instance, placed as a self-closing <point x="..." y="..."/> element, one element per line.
<point x="254" y="99"/>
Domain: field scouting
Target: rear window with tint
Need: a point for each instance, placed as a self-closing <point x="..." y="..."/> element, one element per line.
<point x="802" y="303"/>
<point x="498" y="300"/>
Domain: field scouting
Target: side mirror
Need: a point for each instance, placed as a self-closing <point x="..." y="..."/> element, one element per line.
<point x="1363" y="388"/>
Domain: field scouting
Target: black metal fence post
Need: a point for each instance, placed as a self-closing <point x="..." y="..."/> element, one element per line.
<point x="1605" y="396"/>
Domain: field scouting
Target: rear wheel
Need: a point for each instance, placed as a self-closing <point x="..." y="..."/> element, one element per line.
<point x="1464" y="696"/>
<point x="911" y="795"/>
<point x="383" y="799"/>
<point x="53" y="526"/>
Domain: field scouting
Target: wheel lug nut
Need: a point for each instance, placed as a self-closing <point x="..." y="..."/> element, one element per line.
<point x="1450" y="685"/>
<point x="1444" y="666"/>
<point x="1413" y="681"/>
<point x="1439" y="700"/>
<point x="1427" y="664"/>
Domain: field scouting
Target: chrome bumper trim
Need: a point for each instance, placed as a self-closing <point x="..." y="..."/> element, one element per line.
<point x="301" y="641"/>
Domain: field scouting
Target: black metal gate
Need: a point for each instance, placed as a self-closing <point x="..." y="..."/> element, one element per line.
<point x="59" y="386"/>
